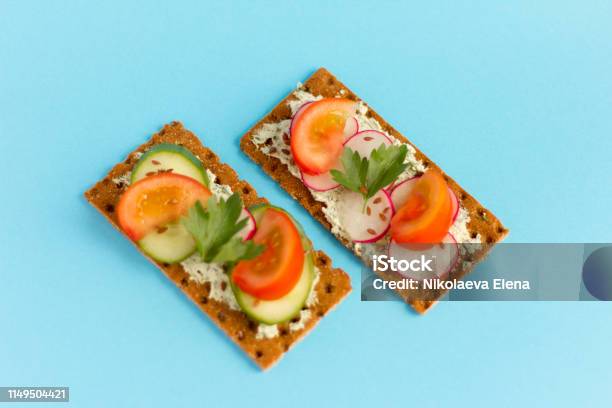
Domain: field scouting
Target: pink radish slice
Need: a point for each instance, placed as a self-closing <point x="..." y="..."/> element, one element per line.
<point x="249" y="230"/>
<point x="320" y="182"/>
<point x="365" y="224"/>
<point x="351" y="128"/>
<point x="297" y="114"/>
<point x="367" y="140"/>
<point x="400" y="193"/>
<point x="444" y="257"/>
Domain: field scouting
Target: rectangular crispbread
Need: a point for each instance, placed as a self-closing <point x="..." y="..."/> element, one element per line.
<point x="323" y="83"/>
<point x="332" y="286"/>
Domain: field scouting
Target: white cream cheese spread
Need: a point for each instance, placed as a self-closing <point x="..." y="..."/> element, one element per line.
<point x="123" y="179"/>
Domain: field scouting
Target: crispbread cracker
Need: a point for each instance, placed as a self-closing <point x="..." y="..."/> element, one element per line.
<point x="323" y="83"/>
<point x="332" y="286"/>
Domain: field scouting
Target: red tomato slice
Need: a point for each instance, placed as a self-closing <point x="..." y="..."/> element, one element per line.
<point x="317" y="134"/>
<point x="278" y="268"/>
<point x="157" y="200"/>
<point x="426" y="215"/>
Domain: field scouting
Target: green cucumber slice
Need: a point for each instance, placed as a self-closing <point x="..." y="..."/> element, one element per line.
<point x="168" y="156"/>
<point x="283" y="309"/>
<point x="172" y="245"/>
<point x="175" y="243"/>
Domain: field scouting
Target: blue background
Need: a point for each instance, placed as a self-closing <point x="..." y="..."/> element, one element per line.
<point x="513" y="99"/>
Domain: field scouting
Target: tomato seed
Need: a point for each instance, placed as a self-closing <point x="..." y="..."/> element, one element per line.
<point x="155" y="162"/>
<point x="368" y="138"/>
<point x="371" y="231"/>
<point x="386" y="210"/>
<point x="378" y="200"/>
<point x="382" y="217"/>
<point x="368" y="210"/>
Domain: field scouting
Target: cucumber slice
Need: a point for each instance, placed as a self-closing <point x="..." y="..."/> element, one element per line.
<point x="172" y="245"/>
<point x="168" y="156"/>
<point x="175" y="243"/>
<point x="283" y="309"/>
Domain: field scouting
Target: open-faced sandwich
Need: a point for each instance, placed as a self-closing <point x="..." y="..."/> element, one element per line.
<point x="365" y="182"/>
<point x="247" y="264"/>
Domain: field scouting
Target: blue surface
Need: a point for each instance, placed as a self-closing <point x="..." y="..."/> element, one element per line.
<point x="513" y="99"/>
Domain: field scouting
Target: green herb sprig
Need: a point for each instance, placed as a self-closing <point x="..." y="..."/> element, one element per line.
<point x="214" y="230"/>
<point x="367" y="175"/>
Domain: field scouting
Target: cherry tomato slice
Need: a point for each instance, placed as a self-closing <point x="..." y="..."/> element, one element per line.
<point x="426" y="215"/>
<point x="157" y="200"/>
<point x="317" y="134"/>
<point x="277" y="269"/>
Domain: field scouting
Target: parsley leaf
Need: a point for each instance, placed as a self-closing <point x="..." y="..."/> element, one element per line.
<point x="236" y="249"/>
<point x="214" y="229"/>
<point x="367" y="175"/>
<point x="355" y="171"/>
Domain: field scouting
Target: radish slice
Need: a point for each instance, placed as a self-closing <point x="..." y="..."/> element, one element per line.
<point x="444" y="255"/>
<point x="365" y="141"/>
<point x="249" y="230"/>
<point x="297" y="114"/>
<point x="400" y="193"/>
<point x="351" y="127"/>
<point x="320" y="182"/>
<point x="367" y="224"/>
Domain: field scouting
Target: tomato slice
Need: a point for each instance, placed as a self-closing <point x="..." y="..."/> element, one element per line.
<point x="277" y="269"/>
<point x="426" y="215"/>
<point x="317" y="134"/>
<point x="157" y="200"/>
